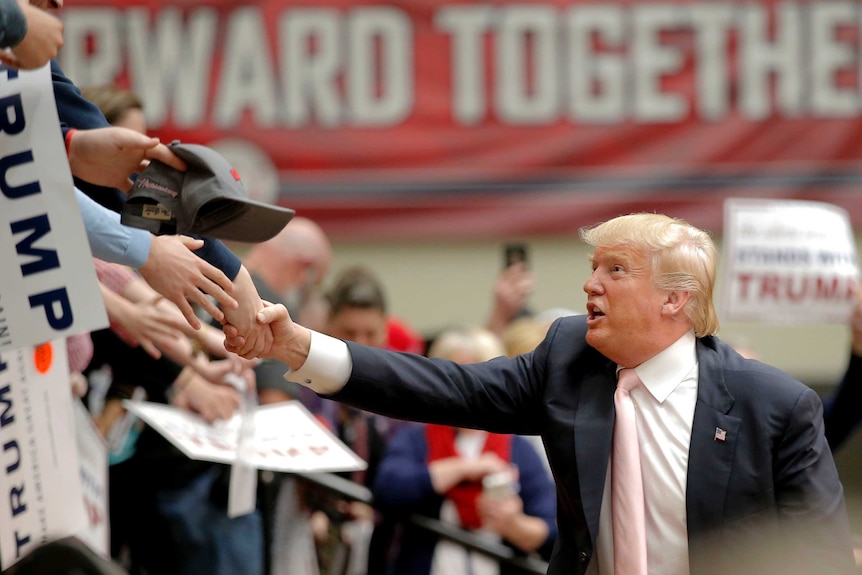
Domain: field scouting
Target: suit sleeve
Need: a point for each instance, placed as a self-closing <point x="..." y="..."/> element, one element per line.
<point x="502" y="395"/>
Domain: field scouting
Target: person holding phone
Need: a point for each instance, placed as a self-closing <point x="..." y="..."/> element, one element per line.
<point x="512" y="289"/>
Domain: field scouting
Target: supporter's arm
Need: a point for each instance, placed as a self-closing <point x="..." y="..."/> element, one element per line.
<point x="513" y="287"/>
<point x="78" y="113"/>
<point x="257" y="337"/>
<point x="109" y="239"/>
<point x="166" y="262"/>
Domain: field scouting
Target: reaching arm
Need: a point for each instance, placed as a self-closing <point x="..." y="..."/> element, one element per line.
<point x="166" y="262"/>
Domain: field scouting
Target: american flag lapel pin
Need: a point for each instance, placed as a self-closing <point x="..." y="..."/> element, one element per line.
<point x="720" y="434"/>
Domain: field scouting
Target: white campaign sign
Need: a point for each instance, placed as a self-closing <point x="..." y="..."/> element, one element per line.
<point x="788" y="261"/>
<point x="286" y="437"/>
<point x="93" y="453"/>
<point x="49" y="286"/>
<point x="40" y="481"/>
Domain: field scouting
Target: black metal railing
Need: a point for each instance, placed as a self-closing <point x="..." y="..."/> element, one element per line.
<point x="355" y="492"/>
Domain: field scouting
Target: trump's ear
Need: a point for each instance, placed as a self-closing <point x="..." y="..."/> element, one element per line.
<point x="675" y="302"/>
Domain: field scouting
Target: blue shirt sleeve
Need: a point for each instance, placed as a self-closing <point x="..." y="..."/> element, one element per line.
<point x="109" y="239"/>
<point x="77" y="112"/>
<point x="217" y="254"/>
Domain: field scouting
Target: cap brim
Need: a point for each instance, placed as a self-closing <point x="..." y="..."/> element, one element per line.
<point x="250" y="221"/>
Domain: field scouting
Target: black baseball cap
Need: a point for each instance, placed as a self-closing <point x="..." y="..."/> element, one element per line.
<point x="208" y="199"/>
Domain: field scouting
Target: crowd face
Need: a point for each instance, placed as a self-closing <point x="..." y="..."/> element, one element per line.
<point x="366" y="326"/>
<point x="134" y="119"/>
<point x="623" y="305"/>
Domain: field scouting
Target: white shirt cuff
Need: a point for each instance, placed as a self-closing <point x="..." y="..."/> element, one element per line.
<point x="327" y="367"/>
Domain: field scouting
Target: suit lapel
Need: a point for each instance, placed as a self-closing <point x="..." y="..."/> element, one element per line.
<point x="594" y="425"/>
<point x="714" y="437"/>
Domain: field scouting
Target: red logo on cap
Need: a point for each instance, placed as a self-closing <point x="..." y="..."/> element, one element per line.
<point x="235" y="175"/>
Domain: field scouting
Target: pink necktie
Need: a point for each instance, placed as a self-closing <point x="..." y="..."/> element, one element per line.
<point x="627" y="490"/>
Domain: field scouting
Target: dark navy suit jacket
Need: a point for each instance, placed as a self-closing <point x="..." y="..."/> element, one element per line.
<point x="766" y="498"/>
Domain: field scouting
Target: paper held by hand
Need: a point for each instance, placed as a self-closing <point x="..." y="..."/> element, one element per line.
<point x="287" y="438"/>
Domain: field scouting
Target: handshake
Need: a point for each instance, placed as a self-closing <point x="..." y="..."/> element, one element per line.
<point x="275" y="336"/>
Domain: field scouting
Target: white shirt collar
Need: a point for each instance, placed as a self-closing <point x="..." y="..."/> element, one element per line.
<point x="662" y="373"/>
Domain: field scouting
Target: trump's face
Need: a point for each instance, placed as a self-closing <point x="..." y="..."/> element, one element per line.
<point x="623" y="305"/>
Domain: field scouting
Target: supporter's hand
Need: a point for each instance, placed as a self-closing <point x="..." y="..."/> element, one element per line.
<point x="79" y="383"/>
<point x="498" y="512"/>
<point x="209" y="400"/>
<point x="109" y="156"/>
<point x="504" y="514"/>
<point x="213" y="370"/>
<point x="290" y="341"/>
<point x="150" y="326"/>
<point x="173" y="270"/>
<point x="257" y="337"/>
<point x="450" y="471"/>
<point x="513" y="287"/>
<point x="486" y="464"/>
<point x="43" y="40"/>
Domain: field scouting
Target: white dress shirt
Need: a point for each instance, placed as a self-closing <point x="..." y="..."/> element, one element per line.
<point x="665" y="411"/>
<point x="327" y="367"/>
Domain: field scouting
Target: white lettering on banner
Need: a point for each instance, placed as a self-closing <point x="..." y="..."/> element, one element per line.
<point x="518" y="64"/>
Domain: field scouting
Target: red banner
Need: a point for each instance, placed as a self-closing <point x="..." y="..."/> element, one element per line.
<point x="452" y="119"/>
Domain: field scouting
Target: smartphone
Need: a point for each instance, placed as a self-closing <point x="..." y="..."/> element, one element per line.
<point x="499" y="484"/>
<point x="514" y="253"/>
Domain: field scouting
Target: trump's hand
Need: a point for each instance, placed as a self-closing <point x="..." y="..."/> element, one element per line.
<point x="290" y="341"/>
<point x="257" y="337"/>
